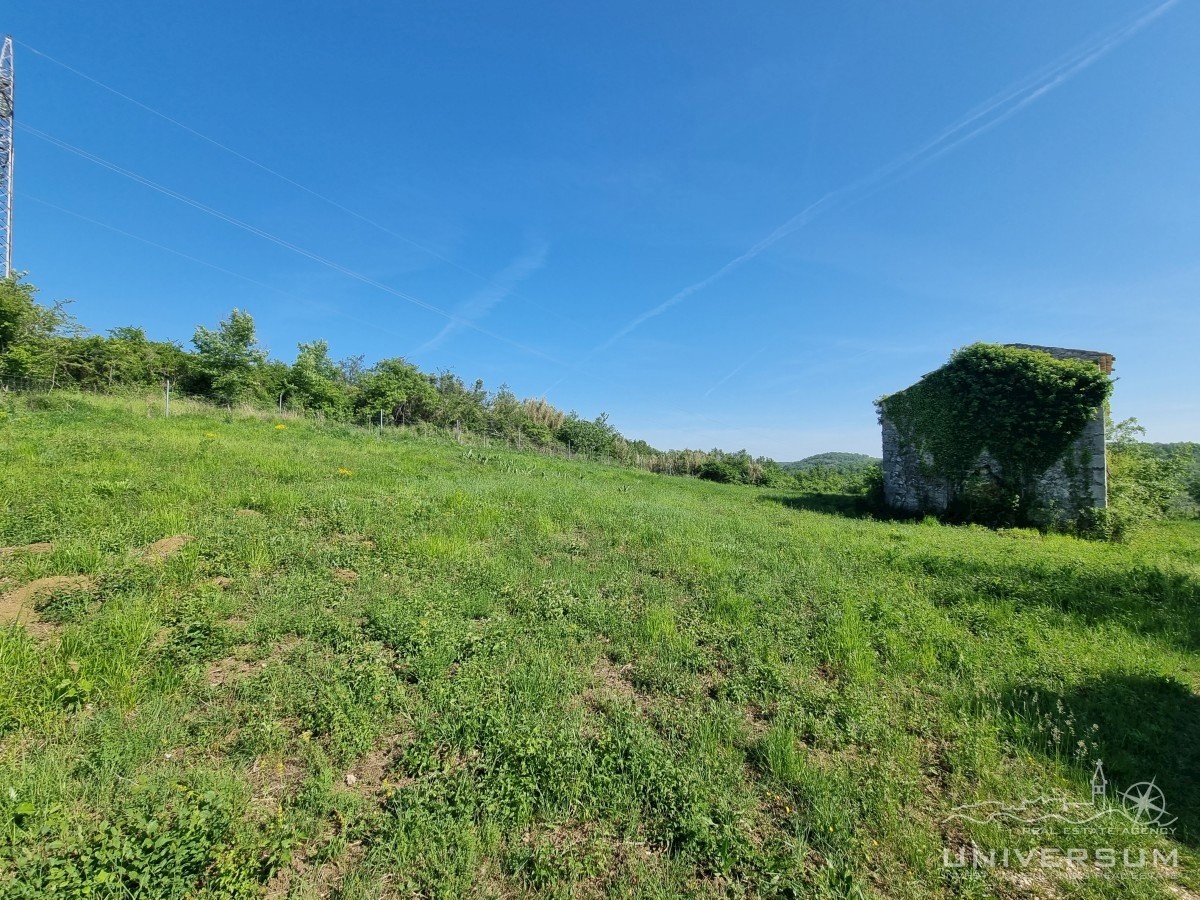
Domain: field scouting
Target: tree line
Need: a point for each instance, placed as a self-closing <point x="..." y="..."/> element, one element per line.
<point x="225" y="365"/>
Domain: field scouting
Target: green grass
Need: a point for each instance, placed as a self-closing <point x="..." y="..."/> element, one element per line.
<point x="460" y="671"/>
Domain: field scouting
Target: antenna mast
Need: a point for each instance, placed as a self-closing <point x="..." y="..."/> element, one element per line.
<point x="6" y="154"/>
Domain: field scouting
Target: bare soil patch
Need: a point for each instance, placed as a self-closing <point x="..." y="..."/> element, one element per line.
<point x="227" y="670"/>
<point x="362" y="540"/>
<point x="610" y="680"/>
<point x="274" y="779"/>
<point x="41" y="547"/>
<point x="18" y="605"/>
<point x="161" y="549"/>
<point x="757" y="723"/>
<point x="237" y="666"/>
<point x="346" y="576"/>
<point x="369" y="776"/>
<point x="323" y="880"/>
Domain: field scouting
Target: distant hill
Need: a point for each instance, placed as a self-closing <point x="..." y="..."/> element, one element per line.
<point x="1186" y="448"/>
<point x="842" y="463"/>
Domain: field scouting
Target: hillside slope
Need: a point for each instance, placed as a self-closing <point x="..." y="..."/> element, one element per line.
<point x="276" y="657"/>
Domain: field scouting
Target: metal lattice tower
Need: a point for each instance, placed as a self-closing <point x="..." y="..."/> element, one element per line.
<point x="6" y="154"/>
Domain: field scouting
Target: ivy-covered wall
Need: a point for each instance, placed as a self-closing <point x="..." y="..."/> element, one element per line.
<point x="1003" y="434"/>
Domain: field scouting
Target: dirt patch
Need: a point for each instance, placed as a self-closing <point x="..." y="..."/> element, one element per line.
<point x="361" y="540"/>
<point x="369" y="776"/>
<point x="228" y="670"/>
<point x="43" y="547"/>
<point x="757" y="723"/>
<point x="710" y="683"/>
<point x="18" y="606"/>
<point x="825" y="672"/>
<point x="346" y="576"/>
<point x="610" y="680"/>
<point x="283" y="646"/>
<point x="222" y="582"/>
<point x="238" y="665"/>
<point x="161" y="549"/>
<point x="272" y="780"/>
<point x="323" y="879"/>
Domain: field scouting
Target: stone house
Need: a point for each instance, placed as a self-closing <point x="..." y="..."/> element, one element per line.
<point x="1078" y="480"/>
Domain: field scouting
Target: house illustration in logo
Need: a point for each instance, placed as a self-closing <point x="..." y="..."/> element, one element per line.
<point x="1099" y="782"/>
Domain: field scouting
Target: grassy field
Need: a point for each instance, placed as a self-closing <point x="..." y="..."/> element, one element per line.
<point x="250" y="656"/>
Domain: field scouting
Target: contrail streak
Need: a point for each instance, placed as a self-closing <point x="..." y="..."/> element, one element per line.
<point x="501" y="287"/>
<point x="341" y="313"/>
<point x="745" y="362"/>
<point x="287" y="245"/>
<point x="273" y="172"/>
<point x="999" y="108"/>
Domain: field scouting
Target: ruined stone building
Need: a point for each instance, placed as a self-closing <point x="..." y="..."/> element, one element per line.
<point x="1079" y="479"/>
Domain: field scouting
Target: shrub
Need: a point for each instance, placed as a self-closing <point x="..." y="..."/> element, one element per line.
<point x="1142" y="485"/>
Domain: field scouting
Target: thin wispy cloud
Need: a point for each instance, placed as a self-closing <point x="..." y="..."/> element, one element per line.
<point x="496" y="291"/>
<point x="745" y="362"/>
<point x="989" y="114"/>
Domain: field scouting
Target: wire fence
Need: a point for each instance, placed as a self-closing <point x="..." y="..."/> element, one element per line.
<point x="11" y="384"/>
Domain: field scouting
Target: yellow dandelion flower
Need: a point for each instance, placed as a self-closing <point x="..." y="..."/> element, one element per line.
<point x="209" y="435"/>
<point x="344" y="472"/>
<point x="280" y="427"/>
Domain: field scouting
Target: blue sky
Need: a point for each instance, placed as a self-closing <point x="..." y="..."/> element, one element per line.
<point x="724" y="224"/>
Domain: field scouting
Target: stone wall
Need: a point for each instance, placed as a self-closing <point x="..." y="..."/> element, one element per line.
<point x="1076" y="482"/>
<point x="905" y="486"/>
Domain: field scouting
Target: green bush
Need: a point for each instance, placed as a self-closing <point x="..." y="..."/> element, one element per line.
<point x="1143" y="485"/>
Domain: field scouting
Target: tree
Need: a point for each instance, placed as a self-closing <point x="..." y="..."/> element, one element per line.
<point x="399" y="389"/>
<point x="139" y="360"/>
<point x="596" y="437"/>
<point x="317" y="382"/>
<point x="227" y="359"/>
<point x="1142" y="485"/>
<point x="29" y="332"/>
<point x="458" y="404"/>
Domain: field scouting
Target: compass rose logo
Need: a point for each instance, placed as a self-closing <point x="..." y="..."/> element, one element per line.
<point x="1145" y="804"/>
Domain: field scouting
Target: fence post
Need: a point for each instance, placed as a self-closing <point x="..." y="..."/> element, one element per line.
<point x="168" y="402"/>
